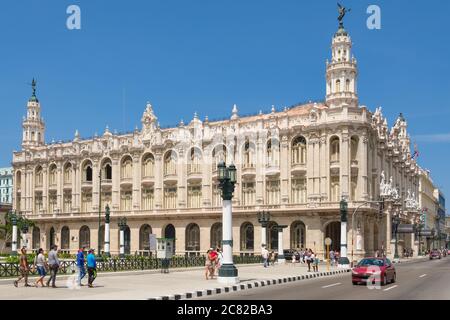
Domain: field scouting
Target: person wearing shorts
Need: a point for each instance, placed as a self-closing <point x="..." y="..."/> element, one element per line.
<point x="41" y="266"/>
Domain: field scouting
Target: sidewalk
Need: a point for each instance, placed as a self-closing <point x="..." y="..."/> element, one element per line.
<point x="148" y="285"/>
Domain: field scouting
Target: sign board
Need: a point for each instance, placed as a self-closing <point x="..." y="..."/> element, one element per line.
<point x="153" y="242"/>
<point x="406" y="228"/>
<point x="328" y="241"/>
<point x="164" y="248"/>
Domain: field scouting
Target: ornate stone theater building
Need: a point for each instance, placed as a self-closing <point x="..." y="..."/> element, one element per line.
<point x="297" y="163"/>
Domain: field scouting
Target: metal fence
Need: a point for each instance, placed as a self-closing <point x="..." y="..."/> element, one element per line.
<point x="126" y="264"/>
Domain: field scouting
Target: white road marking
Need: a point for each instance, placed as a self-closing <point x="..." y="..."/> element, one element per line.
<point x="423" y="275"/>
<point x="331" y="285"/>
<point x="394" y="286"/>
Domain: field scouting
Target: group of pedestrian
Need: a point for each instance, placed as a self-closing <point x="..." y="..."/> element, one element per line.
<point x="213" y="262"/>
<point x="51" y="265"/>
<point x="269" y="258"/>
<point x="408" y="252"/>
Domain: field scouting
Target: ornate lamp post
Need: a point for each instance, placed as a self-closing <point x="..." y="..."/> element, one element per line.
<point x="343" y="260"/>
<point x="263" y="218"/>
<point x="107" y="220"/>
<point x="122" y="225"/>
<point x="228" y="273"/>
<point x="395" y="223"/>
<point x="24" y="234"/>
<point x="14" y="233"/>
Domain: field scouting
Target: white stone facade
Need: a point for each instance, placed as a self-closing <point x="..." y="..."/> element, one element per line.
<point x="297" y="163"/>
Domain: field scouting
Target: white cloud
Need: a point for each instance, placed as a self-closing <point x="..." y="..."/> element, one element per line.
<point x="433" y="138"/>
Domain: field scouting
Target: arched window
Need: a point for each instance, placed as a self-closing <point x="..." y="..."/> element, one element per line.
<point x="272" y="236"/>
<point x="85" y="237"/>
<point x="169" y="232"/>
<point x="334" y="152"/>
<point x="87" y="172"/>
<point x="273" y="153"/>
<point x="52" y="175"/>
<point x="107" y="169"/>
<point x="192" y="237"/>
<point x="18" y="181"/>
<point x="299" y="151"/>
<point x="194" y="164"/>
<point x="39" y="177"/>
<point x="219" y="154"/>
<point x="249" y="152"/>
<point x="148" y="166"/>
<point x="298" y="235"/>
<point x="347" y="85"/>
<point x="36" y="238"/>
<point x="170" y="163"/>
<point x="216" y="235"/>
<point x="126" y="168"/>
<point x="247" y="236"/>
<point x="338" y="86"/>
<point x="353" y="187"/>
<point x="65" y="238"/>
<point x="68" y="173"/>
<point x="144" y="237"/>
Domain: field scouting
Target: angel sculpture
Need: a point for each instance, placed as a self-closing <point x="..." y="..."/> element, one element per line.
<point x="342" y="12"/>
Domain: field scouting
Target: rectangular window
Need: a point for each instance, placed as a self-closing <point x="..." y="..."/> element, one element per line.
<point x="272" y="191"/>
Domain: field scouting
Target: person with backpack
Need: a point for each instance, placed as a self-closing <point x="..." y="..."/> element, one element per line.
<point x="41" y="264"/>
<point x="91" y="267"/>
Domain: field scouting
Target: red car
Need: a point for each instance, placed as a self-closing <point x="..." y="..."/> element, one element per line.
<point x="435" y="253"/>
<point x="374" y="270"/>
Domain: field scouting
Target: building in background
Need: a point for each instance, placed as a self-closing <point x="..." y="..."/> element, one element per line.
<point x="6" y="185"/>
<point x="429" y="206"/>
<point x="441" y="234"/>
<point x="298" y="163"/>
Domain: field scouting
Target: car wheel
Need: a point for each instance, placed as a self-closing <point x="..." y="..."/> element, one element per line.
<point x="394" y="278"/>
<point x="384" y="279"/>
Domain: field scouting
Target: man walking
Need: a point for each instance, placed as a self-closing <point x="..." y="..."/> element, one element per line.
<point x="265" y="255"/>
<point x="23" y="268"/>
<point x="53" y="264"/>
<point x="92" y="267"/>
<point x="80" y="265"/>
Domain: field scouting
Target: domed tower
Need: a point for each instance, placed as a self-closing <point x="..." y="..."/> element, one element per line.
<point x="342" y="71"/>
<point x="33" y="125"/>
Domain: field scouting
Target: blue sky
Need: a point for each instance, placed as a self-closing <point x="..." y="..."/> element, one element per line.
<point x="204" y="56"/>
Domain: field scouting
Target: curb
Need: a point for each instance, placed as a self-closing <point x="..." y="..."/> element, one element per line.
<point x="246" y="286"/>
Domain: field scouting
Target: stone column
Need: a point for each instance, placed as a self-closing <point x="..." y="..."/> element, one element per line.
<point x="158" y="179"/>
<point x="260" y="177"/>
<point x="284" y="169"/>
<point x="363" y="165"/>
<point x="324" y="167"/>
<point x="95" y="184"/>
<point x="136" y="181"/>
<point x="345" y="164"/>
<point x="115" y="183"/>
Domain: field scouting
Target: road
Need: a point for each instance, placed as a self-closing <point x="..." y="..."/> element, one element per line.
<point x="428" y="280"/>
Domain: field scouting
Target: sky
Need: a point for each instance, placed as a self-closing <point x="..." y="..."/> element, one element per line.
<point x="206" y="55"/>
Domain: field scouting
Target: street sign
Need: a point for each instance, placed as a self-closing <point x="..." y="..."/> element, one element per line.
<point x="328" y="241"/>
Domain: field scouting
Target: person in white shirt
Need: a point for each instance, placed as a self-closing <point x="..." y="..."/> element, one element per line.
<point x="265" y="256"/>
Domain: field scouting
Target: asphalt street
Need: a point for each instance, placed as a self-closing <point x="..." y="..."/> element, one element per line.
<point x="428" y="280"/>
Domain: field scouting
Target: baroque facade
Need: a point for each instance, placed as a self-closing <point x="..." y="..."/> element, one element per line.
<point x="297" y="163"/>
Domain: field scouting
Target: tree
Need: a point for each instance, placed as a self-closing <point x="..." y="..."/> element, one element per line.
<point x="7" y="228"/>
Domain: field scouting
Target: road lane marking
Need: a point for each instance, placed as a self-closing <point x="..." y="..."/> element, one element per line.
<point x="423" y="275"/>
<point x="331" y="285"/>
<point x="394" y="286"/>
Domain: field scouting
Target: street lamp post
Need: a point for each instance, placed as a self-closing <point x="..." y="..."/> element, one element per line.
<point x="343" y="260"/>
<point x="107" y="220"/>
<point x="396" y="222"/>
<point x="264" y="218"/>
<point x="14" y="233"/>
<point x="122" y="225"/>
<point x="228" y="273"/>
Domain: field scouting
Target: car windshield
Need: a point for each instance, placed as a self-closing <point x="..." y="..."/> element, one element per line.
<point x="371" y="262"/>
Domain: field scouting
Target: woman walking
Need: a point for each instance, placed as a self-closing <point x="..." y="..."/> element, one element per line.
<point x="23" y="268"/>
<point x="41" y="264"/>
<point x="208" y="264"/>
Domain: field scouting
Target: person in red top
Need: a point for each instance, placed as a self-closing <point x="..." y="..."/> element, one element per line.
<point x="213" y="258"/>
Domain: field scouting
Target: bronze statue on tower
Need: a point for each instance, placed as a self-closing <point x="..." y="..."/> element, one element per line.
<point x="342" y="12"/>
